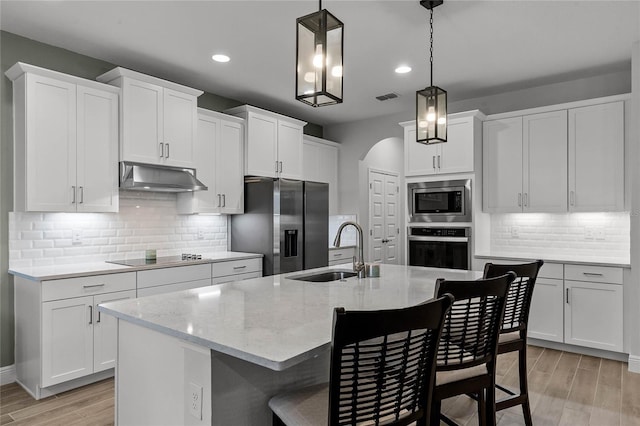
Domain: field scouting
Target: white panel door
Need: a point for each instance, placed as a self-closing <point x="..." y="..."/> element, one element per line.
<point x="596" y="158"/>
<point x="67" y="339"/>
<point x="457" y="153"/>
<point x="105" y="331"/>
<point x="261" y="145"/>
<point x="141" y="122"/>
<point x="229" y="167"/>
<point x="290" y="150"/>
<point x="97" y="150"/>
<point x="546" y="315"/>
<point x="544" y="168"/>
<point x="180" y="120"/>
<point x="51" y="145"/>
<point x="208" y="134"/>
<point x="383" y="217"/>
<point x="502" y="165"/>
<point x="593" y="315"/>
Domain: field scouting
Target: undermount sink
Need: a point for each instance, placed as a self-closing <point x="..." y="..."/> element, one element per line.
<point x="326" y="276"/>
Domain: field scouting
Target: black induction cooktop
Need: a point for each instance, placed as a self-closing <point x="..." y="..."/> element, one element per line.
<point x="163" y="260"/>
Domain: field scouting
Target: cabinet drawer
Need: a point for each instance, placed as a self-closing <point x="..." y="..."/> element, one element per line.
<point x="86" y="286"/>
<point x="168" y="288"/>
<point x="235" y="267"/>
<point x="177" y="274"/>
<point x="239" y="277"/>
<point x="600" y="274"/>
<point x="548" y="270"/>
<point x="342" y="255"/>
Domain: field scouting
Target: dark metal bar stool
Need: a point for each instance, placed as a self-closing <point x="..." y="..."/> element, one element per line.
<point x="382" y="370"/>
<point x="513" y="335"/>
<point x="468" y="348"/>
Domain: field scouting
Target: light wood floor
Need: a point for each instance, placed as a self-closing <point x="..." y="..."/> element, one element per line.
<point x="565" y="389"/>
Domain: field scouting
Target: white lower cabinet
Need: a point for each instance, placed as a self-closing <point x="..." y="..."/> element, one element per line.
<point x="579" y="305"/>
<point x="105" y="331"/>
<point x="546" y="316"/>
<point x="236" y="270"/>
<point x="338" y="256"/>
<point x="166" y="280"/>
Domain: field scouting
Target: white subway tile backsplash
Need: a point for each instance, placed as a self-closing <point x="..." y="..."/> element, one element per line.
<point x="566" y="236"/>
<point x="145" y="221"/>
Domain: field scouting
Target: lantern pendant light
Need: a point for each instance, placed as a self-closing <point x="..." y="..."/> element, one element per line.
<point x="431" y="103"/>
<point x="319" y="45"/>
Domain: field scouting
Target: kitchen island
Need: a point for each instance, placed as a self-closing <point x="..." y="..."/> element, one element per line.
<point x="215" y="355"/>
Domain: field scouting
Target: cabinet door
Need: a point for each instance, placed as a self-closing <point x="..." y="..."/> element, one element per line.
<point x="502" y="165"/>
<point x="205" y="150"/>
<point x="105" y="331"/>
<point x="141" y="122"/>
<point x="329" y="160"/>
<point x="229" y="169"/>
<point x="457" y="153"/>
<point x="261" y="145"/>
<point x="420" y="159"/>
<point x="596" y="158"/>
<point x="593" y="315"/>
<point x="311" y="169"/>
<point x="51" y="145"/>
<point x="290" y="150"/>
<point x="546" y="316"/>
<point x="180" y="124"/>
<point x="67" y="339"/>
<point x="544" y="168"/>
<point x="97" y="150"/>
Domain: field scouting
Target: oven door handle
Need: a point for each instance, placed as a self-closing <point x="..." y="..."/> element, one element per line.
<point x="443" y="239"/>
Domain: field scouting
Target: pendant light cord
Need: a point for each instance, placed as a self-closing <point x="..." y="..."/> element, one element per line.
<point x="319" y="4"/>
<point x="431" y="45"/>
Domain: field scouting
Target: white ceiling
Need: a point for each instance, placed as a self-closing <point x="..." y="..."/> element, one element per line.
<point x="481" y="47"/>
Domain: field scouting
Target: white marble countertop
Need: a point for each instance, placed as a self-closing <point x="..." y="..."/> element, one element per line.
<point x="56" y="272"/>
<point x="600" y="261"/>
<point x="275" y="321"/>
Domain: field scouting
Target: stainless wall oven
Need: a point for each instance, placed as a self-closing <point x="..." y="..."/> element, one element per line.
<point x="442" y="201"/>
<point x="440" y="247"/>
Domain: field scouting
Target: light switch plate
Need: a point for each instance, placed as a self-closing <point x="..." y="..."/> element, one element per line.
<point x="515" y="232"/>
<point x="76" y="236"/>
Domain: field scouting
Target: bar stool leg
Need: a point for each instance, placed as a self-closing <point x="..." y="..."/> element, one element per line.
<point x="524" y="392"/>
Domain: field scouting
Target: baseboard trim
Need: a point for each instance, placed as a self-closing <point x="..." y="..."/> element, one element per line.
<point x="600" y="353"/>
<point x="634" y="363"/>
<point x="7" y="374"/>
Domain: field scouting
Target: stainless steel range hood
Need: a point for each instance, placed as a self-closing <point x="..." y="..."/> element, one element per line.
<point x="151" y="177"/>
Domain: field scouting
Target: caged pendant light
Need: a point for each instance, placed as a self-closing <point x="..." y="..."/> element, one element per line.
<point x="319" y="45"/>
<point x="431" y="103"/>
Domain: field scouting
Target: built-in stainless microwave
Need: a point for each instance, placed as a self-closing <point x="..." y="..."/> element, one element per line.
<point x="442" y="201"/>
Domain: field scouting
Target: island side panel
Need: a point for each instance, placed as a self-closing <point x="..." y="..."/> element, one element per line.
<point x="154" y="376"/>
<point x="241" y="390"/>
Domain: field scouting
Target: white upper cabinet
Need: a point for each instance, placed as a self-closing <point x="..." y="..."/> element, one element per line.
<point x="158" y="119"/>
<point x="273" y="143"/>
<point x="454" y="156"/>
<point x="219" y="165"/>
<point x="525" y="163"/>
<point x="553" y="161"/>
<point x="66" y="142"/>
<point x="596" y="157"/>
<point x="320" y="164"/>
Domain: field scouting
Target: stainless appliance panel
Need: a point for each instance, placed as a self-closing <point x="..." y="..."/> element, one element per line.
<point x="445" y="205"/>
<point x="291" y="250"/>
<point x="440" y="247"/>
<point x="316" y="225"/>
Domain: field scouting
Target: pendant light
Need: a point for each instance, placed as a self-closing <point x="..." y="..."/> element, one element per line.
<point x="431" y="103"/>
<point x="319" y="44"/>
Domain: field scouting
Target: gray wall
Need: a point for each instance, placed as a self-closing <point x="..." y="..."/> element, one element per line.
<point x="14" y="48"/>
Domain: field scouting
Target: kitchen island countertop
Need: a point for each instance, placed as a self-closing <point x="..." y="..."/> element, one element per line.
<point x="277" y="321"/>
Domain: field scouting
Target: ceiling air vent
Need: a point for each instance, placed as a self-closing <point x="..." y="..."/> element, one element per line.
<point x="387" y="96"/>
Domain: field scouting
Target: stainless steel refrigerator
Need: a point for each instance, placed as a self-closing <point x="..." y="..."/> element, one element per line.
<point x="285" y="220"/>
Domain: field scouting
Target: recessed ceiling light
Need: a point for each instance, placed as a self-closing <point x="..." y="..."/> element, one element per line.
<point x="220" y="58"/>
<point x="403" y="69"/>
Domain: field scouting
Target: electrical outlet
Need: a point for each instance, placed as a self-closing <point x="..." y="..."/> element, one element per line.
<point x="515" y="232"/>
<point x="200" y="234"/>
<point x="195" y="400"/>
<point x="588" y="233"/>
<point x="76" y="236"/>
<point x="599" y="234"/>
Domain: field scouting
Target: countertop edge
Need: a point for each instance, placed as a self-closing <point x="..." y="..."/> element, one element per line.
<point x="106" y="268"/>
<point x="551" y="260"/>
<point x="237" y="353"/>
